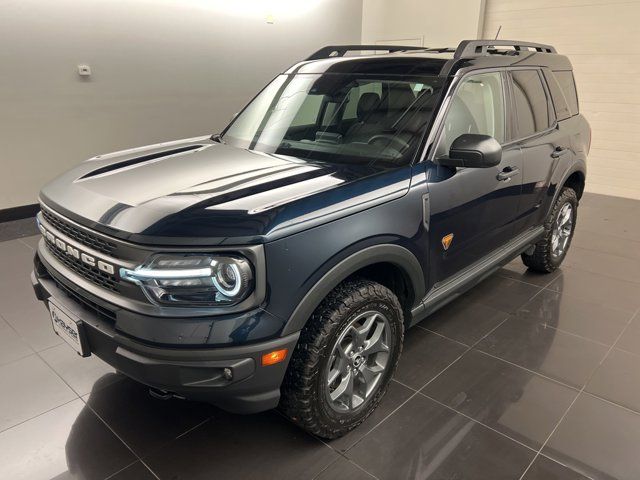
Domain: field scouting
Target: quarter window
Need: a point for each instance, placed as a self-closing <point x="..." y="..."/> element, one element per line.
<point x="476" y="107"/>
<point x="532" y="108"/>
<point x="568" y="86"/>
<point x="559" y="99"/>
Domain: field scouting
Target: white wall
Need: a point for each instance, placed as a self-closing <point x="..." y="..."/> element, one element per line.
<point x="600" y="37"/>
<point x="162" y="69"/>
<point x="436" y="23"/>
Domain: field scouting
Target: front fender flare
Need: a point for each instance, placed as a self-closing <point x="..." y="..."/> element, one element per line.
<point x="388" y="253"/>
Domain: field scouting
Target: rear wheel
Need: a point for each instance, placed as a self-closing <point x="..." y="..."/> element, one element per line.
<point x="550" y="251"/>
<point x="344" y="360"/>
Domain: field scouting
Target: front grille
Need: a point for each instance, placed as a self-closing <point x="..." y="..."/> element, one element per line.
<point x="86" y="238"/>
<point x="86" y="303"/>
<point x="98" y="277"/>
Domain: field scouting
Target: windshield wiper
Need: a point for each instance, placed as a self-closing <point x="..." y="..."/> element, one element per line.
<point x="217" y="137"/>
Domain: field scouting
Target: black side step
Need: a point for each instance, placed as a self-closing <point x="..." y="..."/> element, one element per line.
<point x="446" y="291"/>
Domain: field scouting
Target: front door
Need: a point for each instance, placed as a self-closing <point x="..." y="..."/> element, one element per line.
<point x="473" y="210"/>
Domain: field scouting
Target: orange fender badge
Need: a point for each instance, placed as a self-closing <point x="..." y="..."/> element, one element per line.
<point x="446" y="241"/>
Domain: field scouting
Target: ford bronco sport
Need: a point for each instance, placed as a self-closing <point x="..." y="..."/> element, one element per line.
<point x="281" y="261"/>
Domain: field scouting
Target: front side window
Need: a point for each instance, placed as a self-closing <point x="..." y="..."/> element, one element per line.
<point x="532" y="107"/>
<point x="341" y="118"/>
<point x="476" y="107"/>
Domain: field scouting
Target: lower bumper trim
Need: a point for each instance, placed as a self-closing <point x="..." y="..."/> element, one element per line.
<point x="193" y="373"/>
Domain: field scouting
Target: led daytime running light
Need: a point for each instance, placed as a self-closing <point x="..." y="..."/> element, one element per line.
<point x="160" y="274"/>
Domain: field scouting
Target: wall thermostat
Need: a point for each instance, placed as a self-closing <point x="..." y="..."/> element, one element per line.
<point x="84" y="70"/>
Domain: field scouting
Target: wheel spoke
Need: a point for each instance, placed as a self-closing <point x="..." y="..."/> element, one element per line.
<point x="345" y="387"/>
<point x="345" y="351"/>
<point x="361" y="333"/>
<point x="333" y="376"/>
<point x="369" y="375"/>
<point x="348" y="391"/>
<point x="376" y="343"/>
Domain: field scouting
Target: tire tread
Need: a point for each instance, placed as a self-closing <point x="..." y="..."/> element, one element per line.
<point x="299" y="398"/>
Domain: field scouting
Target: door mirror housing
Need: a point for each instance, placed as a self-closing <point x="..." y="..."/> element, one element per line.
<point x="473" y="151"/>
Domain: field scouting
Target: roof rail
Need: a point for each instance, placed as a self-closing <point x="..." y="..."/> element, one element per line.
<point x="341" y="50"/>
<point x="475" y="48"/>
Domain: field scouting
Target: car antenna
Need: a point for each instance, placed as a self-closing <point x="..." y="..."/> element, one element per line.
<point x="498" y="32"/>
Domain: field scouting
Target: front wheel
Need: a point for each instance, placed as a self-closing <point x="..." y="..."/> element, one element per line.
<point x="550" y="251"/>
<point x="344" y="360"/>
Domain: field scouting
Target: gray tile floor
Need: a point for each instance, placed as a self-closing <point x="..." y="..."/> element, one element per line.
<point x="527" y="376"/>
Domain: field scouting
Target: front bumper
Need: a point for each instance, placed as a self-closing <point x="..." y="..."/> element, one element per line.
<point x="190" y="372"/>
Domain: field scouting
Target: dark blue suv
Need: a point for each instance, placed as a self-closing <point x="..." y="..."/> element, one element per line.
<point x="280" y="262"/>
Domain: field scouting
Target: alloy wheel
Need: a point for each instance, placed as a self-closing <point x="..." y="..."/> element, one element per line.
<point x="562" y="229"/>
<point x="358" y="361"/>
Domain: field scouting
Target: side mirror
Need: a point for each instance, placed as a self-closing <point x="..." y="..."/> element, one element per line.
<point x="473" y="151"/>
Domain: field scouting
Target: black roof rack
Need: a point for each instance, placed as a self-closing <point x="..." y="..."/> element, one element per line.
<point x="340" y="50"/>
<point x="474" y="48"/>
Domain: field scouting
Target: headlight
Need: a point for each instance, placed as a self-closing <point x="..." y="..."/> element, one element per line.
<point x="196" y="280"/>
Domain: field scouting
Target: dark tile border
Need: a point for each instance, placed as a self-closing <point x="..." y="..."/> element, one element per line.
<point x="18" y="213"/>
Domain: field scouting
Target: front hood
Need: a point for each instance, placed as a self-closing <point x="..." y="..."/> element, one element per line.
<point x="199" y="192"/>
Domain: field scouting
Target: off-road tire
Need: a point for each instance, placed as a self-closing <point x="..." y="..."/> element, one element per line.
<point x="303" y="397"/>
<point x="542" y="260"/>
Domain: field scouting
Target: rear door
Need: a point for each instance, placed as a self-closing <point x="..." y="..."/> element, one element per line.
<point x="541" y="140"/>
<point x="477" y="206"/>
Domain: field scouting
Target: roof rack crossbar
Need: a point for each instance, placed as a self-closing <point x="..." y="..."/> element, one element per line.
<point x="340" y="50"/>
<point x="475" y="48"/>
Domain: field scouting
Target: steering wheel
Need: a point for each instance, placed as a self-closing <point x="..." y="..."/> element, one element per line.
<point x="390" y="139"/>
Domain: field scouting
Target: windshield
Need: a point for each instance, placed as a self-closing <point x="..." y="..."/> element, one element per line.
<point x="338" y="118"/>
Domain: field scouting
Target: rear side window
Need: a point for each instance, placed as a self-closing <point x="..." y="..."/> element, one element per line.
<point x="568" y="86"/>
<point x="531" y="104"/>
<point x="559" y="101"/>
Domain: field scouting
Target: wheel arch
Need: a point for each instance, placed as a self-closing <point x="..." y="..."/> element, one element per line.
<point x="576" y="181"/>
<point x="391" y="265"/>
<point x="573" y="177"/>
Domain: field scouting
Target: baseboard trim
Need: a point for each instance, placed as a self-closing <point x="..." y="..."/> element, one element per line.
<point x="18" y="213"/>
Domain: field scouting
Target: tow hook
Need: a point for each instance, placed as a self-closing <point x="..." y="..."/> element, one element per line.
<point x="163" y="394"/>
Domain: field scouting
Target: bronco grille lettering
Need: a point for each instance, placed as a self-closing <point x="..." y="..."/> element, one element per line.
<point x="76" y="253"/>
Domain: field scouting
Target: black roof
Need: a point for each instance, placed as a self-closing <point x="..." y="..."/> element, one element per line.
<point x="408" y="61"/>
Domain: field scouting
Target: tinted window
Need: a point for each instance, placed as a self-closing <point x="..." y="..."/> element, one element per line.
<point x="559" y="100"/>
<point x="476" y="107"/>
<point x="532" y="109"/>
<point x="568" y="86"/>
<point x="308" y="111"/>
<point x="338" y="118"/>
<point x="350" y="112"/>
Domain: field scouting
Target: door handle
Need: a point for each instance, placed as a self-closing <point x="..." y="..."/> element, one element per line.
<point x="507" y="173"/>
<point x="559" y="151"/>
